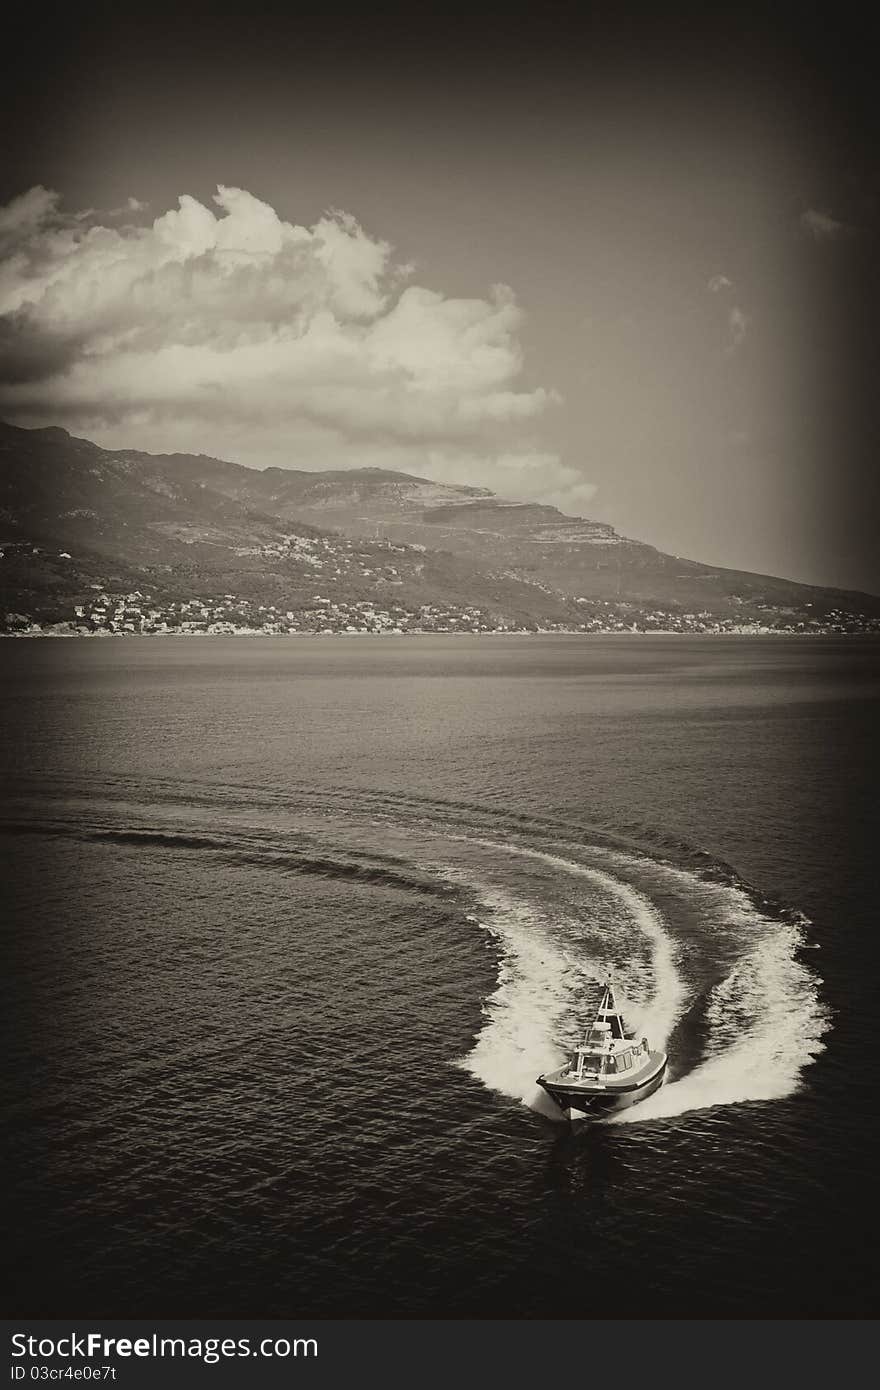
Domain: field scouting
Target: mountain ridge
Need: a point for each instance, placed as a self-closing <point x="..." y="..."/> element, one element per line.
<point x="191" y="519"/>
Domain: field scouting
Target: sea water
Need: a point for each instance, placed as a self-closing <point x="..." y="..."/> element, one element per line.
<point x="294" y="924"/>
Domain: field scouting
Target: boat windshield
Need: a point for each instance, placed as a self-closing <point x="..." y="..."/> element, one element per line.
<point x="594" y="1061"/>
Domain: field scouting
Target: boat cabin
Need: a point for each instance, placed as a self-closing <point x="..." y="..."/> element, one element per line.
<point x="610" y="1070"/>
<point x="607" y="1048"/>
<point x="590" y="1062"/>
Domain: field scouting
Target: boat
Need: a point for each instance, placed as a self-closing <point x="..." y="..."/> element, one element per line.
<point x="609" y="1071"/>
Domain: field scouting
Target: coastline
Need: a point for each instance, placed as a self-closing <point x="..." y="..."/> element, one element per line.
<point x="425" y="632"/>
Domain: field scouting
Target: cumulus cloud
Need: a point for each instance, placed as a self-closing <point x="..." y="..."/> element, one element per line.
<point x="231" y="323"/>
<point x="821" y="226"/>
<point x="22" y="217"/>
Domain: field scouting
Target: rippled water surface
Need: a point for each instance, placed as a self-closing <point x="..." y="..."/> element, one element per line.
<point x="294" y="925"/>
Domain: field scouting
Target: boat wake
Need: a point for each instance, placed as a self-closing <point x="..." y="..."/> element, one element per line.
<point x="765" y="1025"/>
<point x="706" y="969"/>
<point x="750" y="1033"/>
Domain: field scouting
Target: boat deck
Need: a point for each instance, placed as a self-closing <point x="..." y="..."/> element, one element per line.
<point x="566" y="1078"/>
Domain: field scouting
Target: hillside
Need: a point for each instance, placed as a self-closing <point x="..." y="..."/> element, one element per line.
<point x="572" y="555"/>
<point x="86" y="532"/>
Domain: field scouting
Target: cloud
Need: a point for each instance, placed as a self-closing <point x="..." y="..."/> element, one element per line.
<point x="737" y="319"/>
<point x="523" y="476"/>
<point x="231" y="323"/>
<point x="821" y="226"/>
<point x="25" y="214"/>
<point x="738" y="323"/>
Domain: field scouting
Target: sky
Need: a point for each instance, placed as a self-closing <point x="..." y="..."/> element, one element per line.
<point x="627" y="267"/>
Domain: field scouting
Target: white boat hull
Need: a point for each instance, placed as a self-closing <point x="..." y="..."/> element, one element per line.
<point x="581" y="1100"/>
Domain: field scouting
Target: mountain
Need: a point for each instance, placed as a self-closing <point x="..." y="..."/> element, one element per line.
<point x="180" y="530"/>
<point x="571" y="555"/>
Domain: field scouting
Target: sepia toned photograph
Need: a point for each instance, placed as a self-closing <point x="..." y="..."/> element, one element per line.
<point x="440" y="602"/>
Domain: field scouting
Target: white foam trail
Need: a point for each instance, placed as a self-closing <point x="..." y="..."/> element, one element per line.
<point x="539" y="980"/>
<point x="766" y="1024"/>
<point x="765" y="1021"/>
<point x="659" y="1011"/>
<point x="535" y="983"/>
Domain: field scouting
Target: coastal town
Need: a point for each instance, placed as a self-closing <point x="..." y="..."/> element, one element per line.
<point x="137" y="613"/>
<point x="100" y="543"/>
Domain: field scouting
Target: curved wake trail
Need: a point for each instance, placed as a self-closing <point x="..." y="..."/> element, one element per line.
<point x="765" y="1024"/>
<point x="659" y="1002"/>
<point x="760" y="1021"/>
<point x="524" y="1014"/>
<point x="715" y="977"/>
<point x="551" y="963"/>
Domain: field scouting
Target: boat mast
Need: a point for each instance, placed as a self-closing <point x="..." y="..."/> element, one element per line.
<point x="606" y="1012"/>
<point x="613" y="1014"/>
<point x="605" y="998"/>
